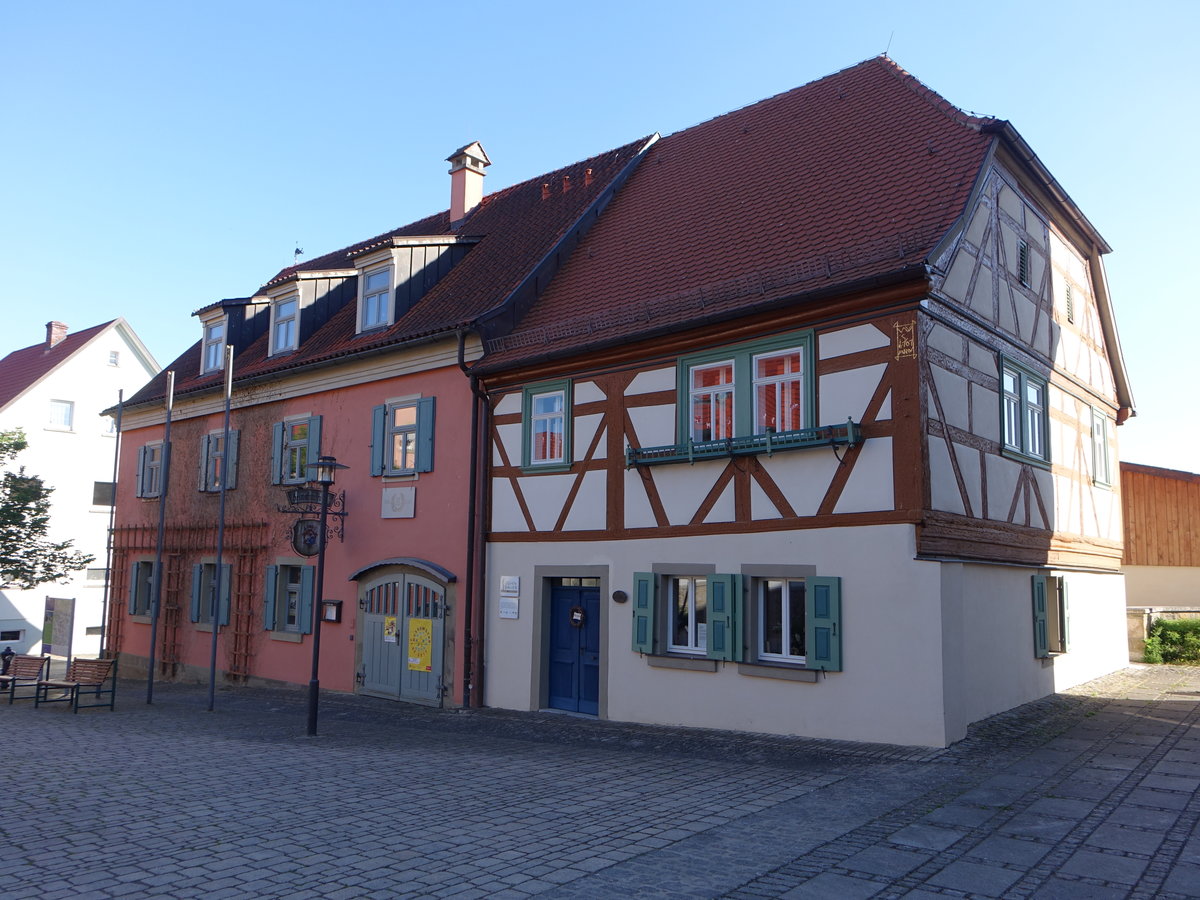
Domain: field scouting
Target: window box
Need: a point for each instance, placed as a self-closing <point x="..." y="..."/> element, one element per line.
<point x="847" y="435"/>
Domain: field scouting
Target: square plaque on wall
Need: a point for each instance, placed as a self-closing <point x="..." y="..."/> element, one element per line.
<point x="399" y="502"/>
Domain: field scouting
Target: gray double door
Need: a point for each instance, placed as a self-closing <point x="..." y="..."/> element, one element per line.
<point x="402" y="635"/>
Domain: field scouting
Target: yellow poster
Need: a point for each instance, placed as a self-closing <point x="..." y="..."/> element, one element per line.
<point x="420" y="645"/>
<point x="389" y="629"/>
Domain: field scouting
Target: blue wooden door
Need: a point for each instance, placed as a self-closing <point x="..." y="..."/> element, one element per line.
<point x="575" y="649"/>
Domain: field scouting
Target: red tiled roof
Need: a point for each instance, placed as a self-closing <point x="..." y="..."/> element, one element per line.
<point x="856" y="175"/>
<point x="517" y="227"/>
<point x="22" y="369"/>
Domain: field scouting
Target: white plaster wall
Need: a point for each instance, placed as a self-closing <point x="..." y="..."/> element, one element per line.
<point x="851" y="340"/>
<point x="803" y="476"/>
<point x="682" y="488"/>
<point x="1162" y="586"/>
<point x="654" y="426"/>
<point x="651" y="381"/>
<point x="71" y="462"/>
<point x="870" y="486"/>
<point x="588" y="509"/>
<point x="890" y="691"/>
<point x="846" y="394"/>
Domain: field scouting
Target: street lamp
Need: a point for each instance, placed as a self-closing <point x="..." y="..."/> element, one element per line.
<point x="325" y="469"/>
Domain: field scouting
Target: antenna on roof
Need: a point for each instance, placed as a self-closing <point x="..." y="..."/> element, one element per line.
<point x="889" y="43"/>
<point x="297" y="253"/>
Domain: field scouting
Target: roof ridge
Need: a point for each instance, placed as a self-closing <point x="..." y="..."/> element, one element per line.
<point x="930" y="96"/>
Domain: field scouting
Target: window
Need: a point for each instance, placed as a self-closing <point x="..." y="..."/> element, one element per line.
<point x="103" y="493"/>
<point x="150" y="470"/>
<point x="1101" y="461"/>
<point x="295" y="444"/>
<point x="114" y="357"/>
<point x="1050" y="615"/>
<point x="62" y="415"/>
<point x="216" y="464"/>
<point x="141" y="585"/>
<point x="204" y="589"/>
<point x="288" y="599"/>
<point x="285" y="316"/>
<point x="15" y="635"/>
<point x="753" y="389"/>
<point x="1025" y="421"/>
<point x="793" y="621"/>
<point x="1070" y="302"/>
<point x="547" y="425"/>
<point x="375" y="308"/>
<point x="402" y="437"/>
<point x="1023" y="262"/>
<point x="212" y="352"/>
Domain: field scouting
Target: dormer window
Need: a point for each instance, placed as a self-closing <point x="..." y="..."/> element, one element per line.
<point x="285" y="315"/>
<point x="374" y="305"/>
<point x="213" y="348"/>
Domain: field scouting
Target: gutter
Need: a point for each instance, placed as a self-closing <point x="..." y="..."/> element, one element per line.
<point x="474" y="594"/>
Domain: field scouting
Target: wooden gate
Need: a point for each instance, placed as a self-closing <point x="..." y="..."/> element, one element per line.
<point x="402" y="638"/>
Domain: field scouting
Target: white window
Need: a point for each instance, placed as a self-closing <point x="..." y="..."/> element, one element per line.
<point x="375" y="308"/>
<point x="285" y="324"/>
<point x="781" y="619"/>
<point x="213" y="351"/>
<point x="402" y="437"/>
<point x="547" y="427"/>
<point x="62" y="415"/>
<point x="711" y="401"/>
<point x="150" y="470"/>
<point x="1101" y="461"/>
<point x="1023" y="411"/>
<point x="779" y="391"/>
<point x="296" y="445"/>
<point x="688" y="611"/>
<point x="114" y="357"/>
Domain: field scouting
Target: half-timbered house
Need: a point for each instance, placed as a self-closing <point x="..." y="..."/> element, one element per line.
<point x="360" y="355"/>
<point x="813" y="433"/>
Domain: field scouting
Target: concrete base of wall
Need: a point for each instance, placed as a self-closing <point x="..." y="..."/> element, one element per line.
<point x="136" y="667"/>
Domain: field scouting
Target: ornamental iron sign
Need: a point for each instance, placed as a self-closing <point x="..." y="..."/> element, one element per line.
<point x="306" y="537"/>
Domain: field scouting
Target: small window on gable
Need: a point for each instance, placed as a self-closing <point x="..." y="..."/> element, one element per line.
<point x="213" y="350"/>
<point x="285" y="324"/>
<point x="296" y="444"/>
<point x="375" y="307"/>
<point x="62" y="415"/>
<point x="1069" y="298"/>
<point x="150" y="470"/>
<point x="1023" y="262"/>
<point x="402" y="437"/>
<point x="114" y="357"/>
<point x="547" y="425"/>
<point x="1101" y="460"/>
<point x="218" y="463"/>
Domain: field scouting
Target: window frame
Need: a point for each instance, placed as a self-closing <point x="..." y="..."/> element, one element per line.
<point x="141" y="587"/>
<point x="114" y="358"/>
<point x="1023" y="262"/>
<point x="68" y="408"/>
<point x="1101" y="455"/>
<point x="760" y="586"/>
<point x="214" y="462"/>
<point x="1016" y="404"/>
<point x="384" y="431"/>
<point x="745" y="407"/>
<point x="151" y="466"/>
<point x="276" y="589"/>
<point x="292" y="320"/>
<point x="386" y="295"/>
<point x="280" y="446"/>
<point x="212" y="349"/>
<point x="203" y="575"/>
<point x="529" y="397"/>
<point x="1051" y="615"/>
<point x="697" y="643"/>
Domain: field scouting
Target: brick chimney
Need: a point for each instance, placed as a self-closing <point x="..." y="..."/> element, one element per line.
<point x="55" y="332"/>
<point x="466" y="180"/>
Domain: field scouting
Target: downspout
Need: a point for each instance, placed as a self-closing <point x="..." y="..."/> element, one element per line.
<point x="473" y="612"/>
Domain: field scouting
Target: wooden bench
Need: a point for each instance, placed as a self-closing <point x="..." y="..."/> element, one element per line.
<point x="91" y="678"/>
<point x="24" y="671"/>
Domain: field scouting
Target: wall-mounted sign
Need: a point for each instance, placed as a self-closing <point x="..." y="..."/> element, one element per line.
<point x="420" y="645"/>
<point x="306" y="537"/>
<point x="510" y="596"/>
<point x="399" y="502"/>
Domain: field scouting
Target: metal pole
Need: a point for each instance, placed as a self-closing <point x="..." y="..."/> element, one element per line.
<point x="314" y="685"/>
<point x="156" y="587"/>
<point x="218" y="580"/>
<point x="112" y="523"/>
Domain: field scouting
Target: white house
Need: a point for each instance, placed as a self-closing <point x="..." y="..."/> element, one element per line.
<point x="54" y="391"/>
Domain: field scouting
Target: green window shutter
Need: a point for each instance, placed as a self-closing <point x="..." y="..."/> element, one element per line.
<point x="644" y="602"/>
<point x="314" y="442"/>
<point x="141" y="466"/>
<point x="306" y="600"/>
<point x="1064" y="612"/>
<point x="425" y="434"/>
<point x="223" y="615"/>
<point x="378" y="439"/>
<point x="133" y="590"/>
<point x="203" y="480"/>
<point x="270" y="589"/>
<point x="1041" y="638"/>
<point x="197" y="587"/>
<point x="231" y="460"/>
<point x="276" y="453"/>
<point x="724" y="617"/>
<point x="822" y="623"/>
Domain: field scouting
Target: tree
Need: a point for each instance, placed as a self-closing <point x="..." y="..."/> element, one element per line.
<point x="27" y="557"/>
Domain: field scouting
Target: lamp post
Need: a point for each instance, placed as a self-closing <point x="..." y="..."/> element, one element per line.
<point x="326" y="468"/>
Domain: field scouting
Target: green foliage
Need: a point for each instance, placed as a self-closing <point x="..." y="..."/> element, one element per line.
<point x="1174" y="641"/>
<point x="27" y="557"/>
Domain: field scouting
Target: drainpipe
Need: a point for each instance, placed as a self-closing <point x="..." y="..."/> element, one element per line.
<point x="473" y="613"/>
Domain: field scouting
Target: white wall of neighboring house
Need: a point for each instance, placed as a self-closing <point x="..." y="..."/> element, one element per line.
<point x="72" y="461"/>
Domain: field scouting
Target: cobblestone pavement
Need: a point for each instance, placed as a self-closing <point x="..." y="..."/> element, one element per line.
<point x="1094" y="793"/>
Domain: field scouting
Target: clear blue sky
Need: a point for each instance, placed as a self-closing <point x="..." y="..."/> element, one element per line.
<point x="158" y="156"/>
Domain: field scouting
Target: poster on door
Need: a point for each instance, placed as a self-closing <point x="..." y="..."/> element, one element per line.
<point x="420" y="645"/>
<point x="389" y="629"/>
